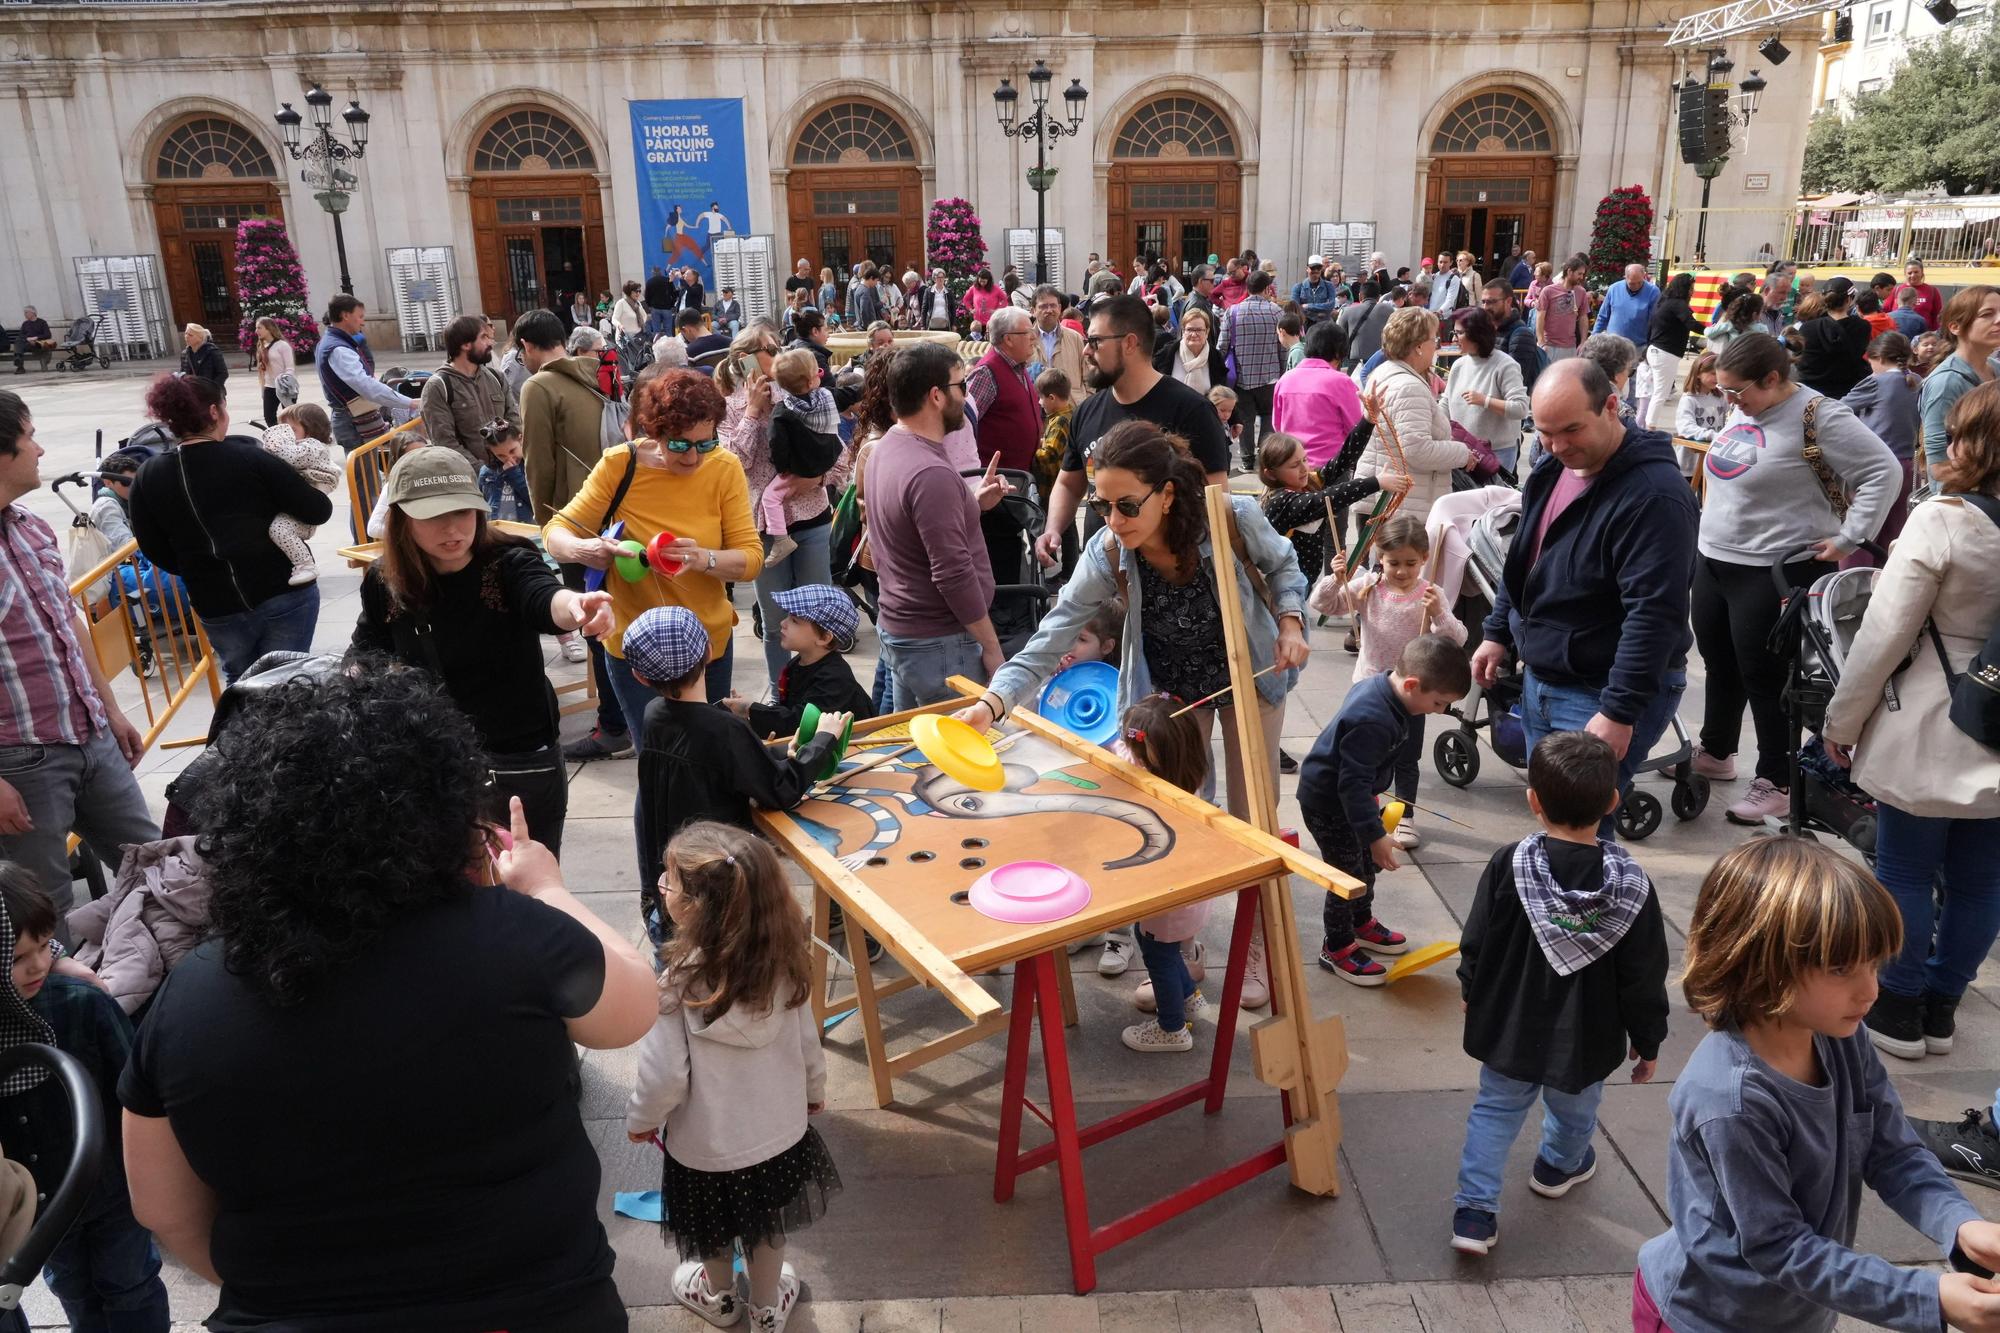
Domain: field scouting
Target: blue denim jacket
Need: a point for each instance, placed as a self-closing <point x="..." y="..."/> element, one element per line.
<point x="1095" y="582"/>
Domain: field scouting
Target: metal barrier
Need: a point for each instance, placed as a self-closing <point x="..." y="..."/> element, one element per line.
<point x="1945" y="233"/>
<point x="142" y="626"/>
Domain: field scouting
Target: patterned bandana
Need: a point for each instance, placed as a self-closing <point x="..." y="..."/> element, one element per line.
<point x="19" y="1024"/>
<point x="1576" y="929"/>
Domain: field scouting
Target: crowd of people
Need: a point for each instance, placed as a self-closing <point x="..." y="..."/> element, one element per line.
<point x="1670" y="496"/>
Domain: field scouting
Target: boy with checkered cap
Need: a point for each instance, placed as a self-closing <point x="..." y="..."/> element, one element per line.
<point x="818" y="627"/>
<point x="695" y="760"/>
<point x="1563" y="967"/>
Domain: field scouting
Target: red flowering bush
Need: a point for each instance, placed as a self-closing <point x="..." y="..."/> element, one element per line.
<point x="1620" y="234"/>
<point x="269" y="281"/>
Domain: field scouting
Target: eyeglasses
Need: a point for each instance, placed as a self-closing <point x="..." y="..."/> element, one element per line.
<point x="1124" y="504"/>
<point x="1092" y="340"/>
<point x="707" y="446"/>
<point x="1733" y="395"/>
<point x="954" y="386"/>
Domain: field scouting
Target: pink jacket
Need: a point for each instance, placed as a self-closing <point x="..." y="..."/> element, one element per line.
<point x="981" y="303"/>
<point x="155" y="914"/>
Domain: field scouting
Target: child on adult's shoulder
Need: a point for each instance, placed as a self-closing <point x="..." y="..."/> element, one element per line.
<point x="1352" y="761"/>
<point x="301" y="438"/>
<point x="733" y="1076"/>
<point x="107" y="1262"/>
<point x="697" y="761"/>
<point x="1563" y="971"/>
<point x="1392" y="604"/>
<point x="819" y="625"/>
<point x="1296" y="498"/>
<point x="1784" y="1112"/>
<point x="1170" y="748"/>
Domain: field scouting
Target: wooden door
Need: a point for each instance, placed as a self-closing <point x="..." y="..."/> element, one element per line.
<point x="510" y="216"/>
<point x="1489" y="205"/>
<point x="197" y="229"/>
<point x="843" y="215"/>
<point x="1182" y="211"/>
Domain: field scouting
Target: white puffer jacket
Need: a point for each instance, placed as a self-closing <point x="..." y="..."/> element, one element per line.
<point x="1401" y="397"/>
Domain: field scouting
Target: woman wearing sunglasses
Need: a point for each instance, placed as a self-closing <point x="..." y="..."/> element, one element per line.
<point x="745" y="379"/>
<point x="676" y="477"/>
<point x="1159" y="556"/>
<point x="1766" y="503"/>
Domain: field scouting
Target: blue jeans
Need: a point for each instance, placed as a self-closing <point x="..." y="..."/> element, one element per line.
<point x="808" y="564"/>
<point x="1568" y="1120"/>
<point x="880" y="694"/>
<point x="633" y="697"/>
<point x="87" y="789"/>
<point x="281" y="624"/>
<point x="920" y="667"/>
<point x="106" y="1273"/>
<point x="1172" y="986"/>
<point x="1912" y="852"/>
<point x="1546" y="708"/>
<point x="496" y="482"/>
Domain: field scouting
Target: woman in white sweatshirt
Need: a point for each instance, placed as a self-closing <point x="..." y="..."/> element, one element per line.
<point x="732" y="1068"/>
<point x="1484" y="392"/>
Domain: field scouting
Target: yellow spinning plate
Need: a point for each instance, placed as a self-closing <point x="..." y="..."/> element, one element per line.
<point x="959" y="752"/>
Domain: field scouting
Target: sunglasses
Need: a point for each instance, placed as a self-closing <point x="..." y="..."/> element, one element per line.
<point x="1094" y="339"/>
<point x="1124" y="504"/>
<point x="707" y="446"/>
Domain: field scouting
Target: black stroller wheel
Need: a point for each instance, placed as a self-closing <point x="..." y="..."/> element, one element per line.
<point x="1638" y="815"/>
<point x="1690" y="796"/>
<point x="1457" y="757"/>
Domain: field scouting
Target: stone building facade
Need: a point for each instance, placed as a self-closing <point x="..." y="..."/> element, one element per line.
<point x="501" y="130"/>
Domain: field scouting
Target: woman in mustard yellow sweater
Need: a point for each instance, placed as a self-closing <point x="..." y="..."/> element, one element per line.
<point x="675" y="477"/>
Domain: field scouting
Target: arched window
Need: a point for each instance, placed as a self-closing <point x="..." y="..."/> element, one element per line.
<point x="852" y="134"/>
<point x="1175" y="127"/>
<point x="532" y="139"/>
<point x="1494" y="122"/>
<point x="212" y="148"/>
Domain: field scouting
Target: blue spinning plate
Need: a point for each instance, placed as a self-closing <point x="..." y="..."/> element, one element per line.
<point x="1083" y="699"/>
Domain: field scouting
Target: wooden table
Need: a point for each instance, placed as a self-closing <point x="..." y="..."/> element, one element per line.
<point x="898" y="849"/>
<point x="1699" y="480"/>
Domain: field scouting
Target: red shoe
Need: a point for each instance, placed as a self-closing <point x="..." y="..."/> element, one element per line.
<point x="1378" y="938"/>
<point x="1350" y="964"/>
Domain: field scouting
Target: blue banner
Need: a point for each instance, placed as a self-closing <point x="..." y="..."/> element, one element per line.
<point x="692" y="189"/>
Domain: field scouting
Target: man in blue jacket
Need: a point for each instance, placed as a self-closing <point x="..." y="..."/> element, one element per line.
<point x="1594" y="596"/>
<point x="1627" y="309"/>
<point x="1316" y="296"/>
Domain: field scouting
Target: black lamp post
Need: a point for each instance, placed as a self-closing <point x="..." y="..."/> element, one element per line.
<point x="323" y="154"/>
<point x="1041" y="129"/>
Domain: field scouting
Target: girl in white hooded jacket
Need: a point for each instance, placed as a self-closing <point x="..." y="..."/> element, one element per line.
<point x="732" y="1068"/>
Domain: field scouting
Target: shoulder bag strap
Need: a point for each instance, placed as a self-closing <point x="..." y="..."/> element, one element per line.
<point x="624" y="485"/>
<point x="1256" y="575"/>
<point x="1836" y="494"/>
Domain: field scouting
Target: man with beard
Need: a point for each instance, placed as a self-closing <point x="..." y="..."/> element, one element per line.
<point x="467" y="393"/>
<point x="1118" y="356"/>
<point x="923" y="524"/>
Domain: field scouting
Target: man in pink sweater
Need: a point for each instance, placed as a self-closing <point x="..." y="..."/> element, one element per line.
<point x="923" y="523"/>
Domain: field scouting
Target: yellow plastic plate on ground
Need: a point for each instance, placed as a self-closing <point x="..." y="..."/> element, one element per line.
<point x="961" y="753"/>
<point x="1418" y="959"/>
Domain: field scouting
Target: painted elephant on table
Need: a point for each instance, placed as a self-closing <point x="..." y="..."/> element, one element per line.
<point x="936" y="794"/>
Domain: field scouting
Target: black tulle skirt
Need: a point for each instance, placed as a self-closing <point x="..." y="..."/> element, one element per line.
<point x="759" y="1205"/>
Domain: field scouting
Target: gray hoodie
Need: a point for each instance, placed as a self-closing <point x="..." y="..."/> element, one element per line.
<point x="732" y="1091"/>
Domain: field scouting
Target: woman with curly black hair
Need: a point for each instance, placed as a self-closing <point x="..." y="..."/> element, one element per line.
<point x="368" y="968"/>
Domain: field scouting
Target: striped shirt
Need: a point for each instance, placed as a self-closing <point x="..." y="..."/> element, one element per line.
<point x="1250" y="334"/>
<point x="49" y="697"/>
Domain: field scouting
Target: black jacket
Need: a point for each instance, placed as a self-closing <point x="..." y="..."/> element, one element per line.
<point x="203" y="511"/>
<point x="206" y="362"/>
<point x="828" y="683"/>
<point x="1628" y="542"/>
<point x="1355" y="757"/>
<point x="1517" y="340"/>
<point x="697" y="761"/>
<point x="1835" y="354"/>
<point x="1524" y="1020"/>
<point x="1672" y="325"/>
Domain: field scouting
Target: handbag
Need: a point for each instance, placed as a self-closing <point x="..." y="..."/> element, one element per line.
<point x="1975" y="692"/>
<point x="1836" y="492"/>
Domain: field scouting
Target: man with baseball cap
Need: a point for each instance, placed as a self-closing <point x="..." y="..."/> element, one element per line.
<point x="1316" y="296"/>
<point x="697" y="761"/>
<point x="818" y="627"/>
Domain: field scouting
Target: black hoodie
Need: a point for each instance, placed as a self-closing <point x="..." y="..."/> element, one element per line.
<point x="1628" y="542"/>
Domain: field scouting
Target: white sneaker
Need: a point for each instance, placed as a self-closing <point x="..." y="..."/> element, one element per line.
<point x="1406" y="836"/>
<point x="1256" y="990"/>
<point x="1117" y="956"/>
<point x="771" y="1318"/>
<point x="1147" y="1038"/>
<point x="1764" y="799"/>
<point x="1078" y="946"/>
<point x="720" y="1308"/>
<point x="573" y="647"/>
<point x="1197" y="973"/>
<point x="303" y="575"/>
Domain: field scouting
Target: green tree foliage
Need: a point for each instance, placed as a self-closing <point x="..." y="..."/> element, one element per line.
<point x="1933" y="125"/>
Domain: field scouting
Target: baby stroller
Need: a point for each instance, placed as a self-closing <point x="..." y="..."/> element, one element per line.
<point x="1498" y="711"/>
<point x="1020" y="594"/>
<point x="79" y="349"/>
<point x="86" y="1159"/>
<point x="1813" y="636"/>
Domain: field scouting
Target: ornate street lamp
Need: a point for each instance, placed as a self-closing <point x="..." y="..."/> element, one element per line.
<point x="1042" y="129"/>
<point x="323" y="153"/>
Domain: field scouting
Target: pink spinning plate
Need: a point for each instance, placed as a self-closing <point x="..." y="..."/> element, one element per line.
<point x="1028" y="892"/>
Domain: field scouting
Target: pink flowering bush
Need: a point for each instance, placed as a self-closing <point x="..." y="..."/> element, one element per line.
<point x="269" y="281"/>
<point x="952" y="240"/>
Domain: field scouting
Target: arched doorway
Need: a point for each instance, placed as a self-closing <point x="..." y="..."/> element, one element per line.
<point x="1175" y="184"/>
<point x="855" y="191"/>
<point x="1492" y="180"/>
<point x="537" y="213"/>
<point x="209" y="173"/>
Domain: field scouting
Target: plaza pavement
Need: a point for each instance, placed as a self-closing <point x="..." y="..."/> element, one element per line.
<point x="915" y="1242"/>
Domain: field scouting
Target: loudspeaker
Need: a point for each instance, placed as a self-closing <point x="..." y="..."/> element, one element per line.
<point x="1704" y="118"/>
